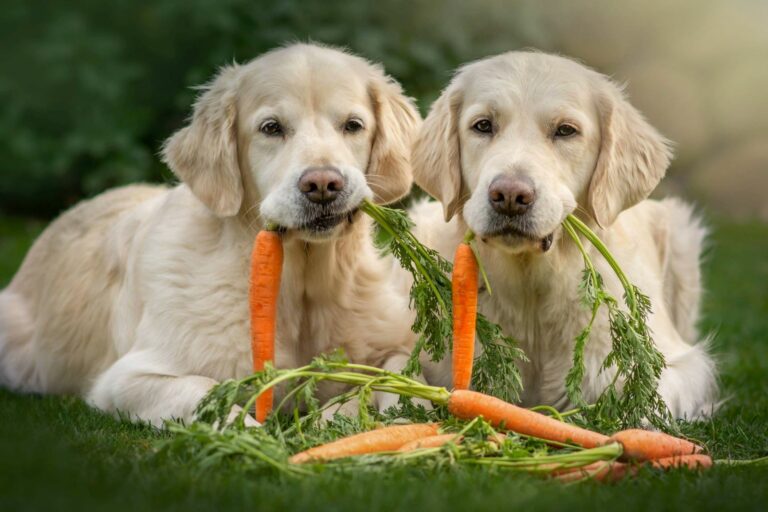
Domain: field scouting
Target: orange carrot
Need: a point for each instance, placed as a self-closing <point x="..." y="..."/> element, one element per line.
<point x="466" y="404"/>
<point x="464" y="296"/>
<point x="645" y="445"/>
<point x="602" y="471"/>
<point x="430" y="442"/>
<point x="381" y="440"/>
<point x="696" y="461"/>
<point x="613" y="471"/>
<point x="266" y="267"/>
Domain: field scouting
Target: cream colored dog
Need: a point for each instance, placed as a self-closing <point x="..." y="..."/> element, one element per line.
<point x="514" y="144"/>
<point x="137" y="299"/>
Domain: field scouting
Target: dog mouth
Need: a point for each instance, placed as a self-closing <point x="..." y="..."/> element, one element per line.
<point x="325" y="222"/>
<point x="546" y="242"/>
<point x="514" y="236"/>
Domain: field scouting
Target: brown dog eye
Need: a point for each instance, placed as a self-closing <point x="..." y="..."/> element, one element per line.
<point x="483" y="126"/>
<point x="565" y="130"/>
<point x="271" y="128"/>
<point x="353" y="126"/>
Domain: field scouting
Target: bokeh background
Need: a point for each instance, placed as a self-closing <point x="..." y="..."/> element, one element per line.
<point x="89" y="89"/>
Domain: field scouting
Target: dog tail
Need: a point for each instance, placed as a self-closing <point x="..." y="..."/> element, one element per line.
<point x="686" y="236"/>
<point x="693" y="370"/>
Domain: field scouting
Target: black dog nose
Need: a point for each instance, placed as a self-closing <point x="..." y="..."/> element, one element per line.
<point x="511" y="196"/>
<point x="321" y="185"/>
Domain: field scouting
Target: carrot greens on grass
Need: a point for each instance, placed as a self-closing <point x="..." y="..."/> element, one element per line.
<point x="534" y="442"/>
<point x="212" y="441"/>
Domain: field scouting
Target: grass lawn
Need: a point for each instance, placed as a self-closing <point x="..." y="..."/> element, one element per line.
<point x="56" y="454"/>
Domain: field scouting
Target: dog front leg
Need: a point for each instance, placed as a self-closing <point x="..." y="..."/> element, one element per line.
<point x="145" y="388"/>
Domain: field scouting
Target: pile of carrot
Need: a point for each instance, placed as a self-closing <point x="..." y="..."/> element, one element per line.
<point x="638" y="446"/>
<point x="266" y="269"/>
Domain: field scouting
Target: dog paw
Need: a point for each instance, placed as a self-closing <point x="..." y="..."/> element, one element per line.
<point x="248" y="421"/>
<point x="349" y="408"/>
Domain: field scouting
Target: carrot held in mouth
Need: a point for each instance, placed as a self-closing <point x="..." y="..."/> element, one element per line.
<point x="464" y="296"/>
<point x="266" y="267"/>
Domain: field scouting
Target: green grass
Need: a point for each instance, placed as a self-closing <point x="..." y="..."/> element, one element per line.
<point x="57" y="454"/>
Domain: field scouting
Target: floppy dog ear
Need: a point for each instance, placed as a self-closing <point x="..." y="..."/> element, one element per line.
<point x="204" y="153"/>
<point x="437" y="156"/>
<point x="633" y="157"/>
<point x="389" y="169"/>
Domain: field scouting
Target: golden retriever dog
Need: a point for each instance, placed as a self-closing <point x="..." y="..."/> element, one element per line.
<point x="138" y="299"/>
<point x="513" y="145"/>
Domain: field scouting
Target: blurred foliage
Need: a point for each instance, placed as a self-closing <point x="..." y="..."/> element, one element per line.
<point x="90" y="89"/>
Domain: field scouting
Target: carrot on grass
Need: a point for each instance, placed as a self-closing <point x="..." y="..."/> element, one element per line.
<point x="602" y="471"/>
<point x="381" y="440"/>
<point x="646" y="445"/>
<point x="467" y="404"/>
<point x="464" y="297"/>
<point x="695" y="461"/>
<point x="266" y="267"/>
<point x="430" y="442"/>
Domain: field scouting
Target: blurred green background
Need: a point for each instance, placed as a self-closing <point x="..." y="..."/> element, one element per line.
<point x="90" y="88"/>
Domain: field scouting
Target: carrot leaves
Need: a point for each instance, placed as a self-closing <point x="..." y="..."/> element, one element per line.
<point x="632" y="397"/>
<point x="495" y="369"/>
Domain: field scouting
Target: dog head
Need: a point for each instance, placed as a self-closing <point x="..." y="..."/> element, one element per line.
<point x="301" y="135"/>
<point x="518" y="141"/>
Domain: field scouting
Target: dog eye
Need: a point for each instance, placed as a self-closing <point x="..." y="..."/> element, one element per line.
<point x="271" y="128"/>
<point x="483" y="126"/>
<point x="565" y="130"/>
<point x="353" y="126"/>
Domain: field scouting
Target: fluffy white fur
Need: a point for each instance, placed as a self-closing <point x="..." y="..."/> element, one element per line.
<point x="137" y="299"/>
<point x="603" y="173"/>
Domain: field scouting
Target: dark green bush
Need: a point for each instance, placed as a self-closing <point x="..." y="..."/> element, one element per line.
<point x="90" y="89"/>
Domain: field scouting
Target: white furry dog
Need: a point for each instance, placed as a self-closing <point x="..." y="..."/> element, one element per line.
<point x="514" y="144"/>
<point x="138" y="299"/>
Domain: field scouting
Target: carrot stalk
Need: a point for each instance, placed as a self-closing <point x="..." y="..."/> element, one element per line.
<point x="464" y="295"/>
<point x="430" y="442"/>
<point x="384" y="439"/>
<point x="266" y="268"/>
<point x="467" y="404"/>
<point x="643" y="445"/>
